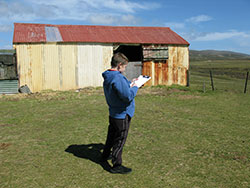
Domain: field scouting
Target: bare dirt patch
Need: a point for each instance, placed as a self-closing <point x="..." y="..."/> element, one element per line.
<point x="6" y="125"/>
<point x="90" y="90"/>
<point x="4" y="146"/>
<point x="159" y="91"/>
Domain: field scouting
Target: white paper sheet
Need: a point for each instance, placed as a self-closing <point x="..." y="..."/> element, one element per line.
<point x="142" y="79"/>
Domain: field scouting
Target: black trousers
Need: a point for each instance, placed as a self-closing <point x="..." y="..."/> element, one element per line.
<point x="116" y="138"/>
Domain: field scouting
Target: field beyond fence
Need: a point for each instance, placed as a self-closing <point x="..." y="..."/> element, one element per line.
<point x="179" y="136"/>
<point x="228" y="75"/>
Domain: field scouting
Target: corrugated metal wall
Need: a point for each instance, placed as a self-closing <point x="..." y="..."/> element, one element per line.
<point x="24" y="65"/>
<point x="170" y="71"/>
<point x="36" y="67"/>
<point x="8" y="86"/>
<point x="50" y="67"/>
<point x="93" y="59"/>
<point x="62" y="66"/>
<point x="70" y="66"/>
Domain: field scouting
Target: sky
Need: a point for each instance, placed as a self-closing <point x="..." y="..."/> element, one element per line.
<point x="205" y="24"/>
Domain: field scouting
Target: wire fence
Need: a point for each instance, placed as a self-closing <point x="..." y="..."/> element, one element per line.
<point x="210" y="81"/>
<point x="230" y="75"/>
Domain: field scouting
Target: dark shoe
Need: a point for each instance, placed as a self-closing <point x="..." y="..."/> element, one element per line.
<point x="120" y="170"/>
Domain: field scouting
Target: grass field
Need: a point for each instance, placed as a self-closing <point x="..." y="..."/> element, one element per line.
<point x="228" y="75"/>
<point x="179" y="137"/>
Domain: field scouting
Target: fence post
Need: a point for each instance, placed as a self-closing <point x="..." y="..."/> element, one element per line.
<point x="204" y="87"/>
<point x="212" y="82"/>
<point x="188" y="75"/>
<point x="245" y="90"/>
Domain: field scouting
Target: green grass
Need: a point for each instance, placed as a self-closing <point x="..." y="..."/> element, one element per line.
<point x="6" y="51"/>
<point x="179" y="137"/>
<point x="228" y="75"/>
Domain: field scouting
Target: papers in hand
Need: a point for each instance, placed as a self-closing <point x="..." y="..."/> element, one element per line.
<point x="140" y="80"/>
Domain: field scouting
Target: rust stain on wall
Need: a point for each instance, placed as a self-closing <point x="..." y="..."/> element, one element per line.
<point x="147" y="70"/>
<point x="165" y="73"/>
<point x="170" y="71"/>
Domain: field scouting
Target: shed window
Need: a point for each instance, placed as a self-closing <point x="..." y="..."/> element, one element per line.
<point x="155" y="53"/>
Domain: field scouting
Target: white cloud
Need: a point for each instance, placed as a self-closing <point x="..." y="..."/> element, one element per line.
<point x="175" y="25"/>
<point x="15" y="11"/>
<point x="6" y="28"/>
<point x="185" y="24"/>
<point x="215" y="36"/>
<point x="129" y="19"/>
<point x="102" y="19"/>
<point x="113" y="19"/>
<point x="119" y="5"/>
<point x="83" y="9"/>
<point x="198" y="19"/>
<point x="94" y="11"/>
<point x="3" y="7"/>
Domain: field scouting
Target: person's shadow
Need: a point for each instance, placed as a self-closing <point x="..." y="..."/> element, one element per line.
<point x="91" y="152"/>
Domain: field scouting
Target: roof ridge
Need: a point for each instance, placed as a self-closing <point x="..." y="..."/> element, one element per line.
<point x="43" y="24"/>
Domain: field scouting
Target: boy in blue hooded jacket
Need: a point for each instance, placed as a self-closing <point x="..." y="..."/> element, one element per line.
<point x="120" y="99"/>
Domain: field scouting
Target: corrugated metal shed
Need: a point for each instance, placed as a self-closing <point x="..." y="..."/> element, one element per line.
<point x="33" y="33"/>
<point x="63" y="57"/>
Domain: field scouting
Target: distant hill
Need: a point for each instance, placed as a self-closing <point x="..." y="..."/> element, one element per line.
<point x="216" y="55"/>
<point x="7" y="51"/>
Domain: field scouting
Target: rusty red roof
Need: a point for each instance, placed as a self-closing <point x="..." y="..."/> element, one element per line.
<point x="36" y="33"/>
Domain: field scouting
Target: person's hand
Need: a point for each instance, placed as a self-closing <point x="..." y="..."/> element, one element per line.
<point x="134" y="80"/>
<point x="133" y="83"/>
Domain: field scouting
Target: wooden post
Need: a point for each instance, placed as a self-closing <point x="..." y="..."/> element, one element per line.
<point x="204" y="87"/>
<point x="245" y="90"/>
<point x="188" y="75"/>
<point x="212" y="82"/>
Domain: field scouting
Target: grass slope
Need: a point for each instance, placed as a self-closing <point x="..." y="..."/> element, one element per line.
<point x="216" y="55"/>
<point x="179" y="137"/>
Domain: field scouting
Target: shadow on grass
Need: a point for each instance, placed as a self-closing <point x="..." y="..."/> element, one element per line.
<point x="91" y="152"/>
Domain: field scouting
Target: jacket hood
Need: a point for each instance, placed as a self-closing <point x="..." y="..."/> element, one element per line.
<point x="108" y="75"/>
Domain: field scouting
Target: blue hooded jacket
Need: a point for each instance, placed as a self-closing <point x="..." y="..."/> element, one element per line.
<point x="119" y="95"/>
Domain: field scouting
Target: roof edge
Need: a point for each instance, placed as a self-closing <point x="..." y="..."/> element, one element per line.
<point x="67" y="25"/>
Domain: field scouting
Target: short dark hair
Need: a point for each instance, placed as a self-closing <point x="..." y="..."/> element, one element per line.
<point x="119" y="58"/>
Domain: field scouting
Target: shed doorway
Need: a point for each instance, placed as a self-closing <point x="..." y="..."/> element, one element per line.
<point x="134" y="54"/>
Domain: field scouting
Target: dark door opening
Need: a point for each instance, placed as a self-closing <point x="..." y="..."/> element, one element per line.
<point x="8" y="66"/>
<point x="134" y="54"/>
